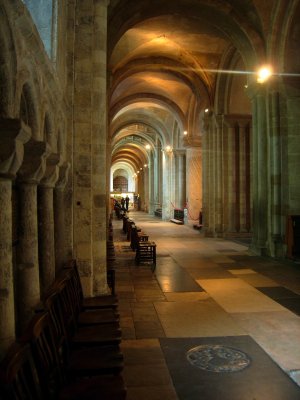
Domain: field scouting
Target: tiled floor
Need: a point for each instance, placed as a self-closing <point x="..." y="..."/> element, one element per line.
<point x="211" y="290"/>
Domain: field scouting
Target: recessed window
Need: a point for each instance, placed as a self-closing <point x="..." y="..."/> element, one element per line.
<point x="44" y="15"/>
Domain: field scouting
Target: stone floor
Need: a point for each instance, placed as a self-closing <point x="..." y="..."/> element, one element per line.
<point x="213" y="292"/>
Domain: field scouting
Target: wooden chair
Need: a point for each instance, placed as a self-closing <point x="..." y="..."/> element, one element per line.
<point x="85" y="316"/>
<point x="18" y="375"/>
<point x="146" y="251"/>
<point x="84" y="362"/>
<point x="91" y="303"/>
<point x="34" y="370"/>
<point x="62" y="311"/>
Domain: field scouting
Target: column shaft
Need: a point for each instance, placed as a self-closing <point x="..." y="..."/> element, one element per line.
<point x="231" y="181"/>
<point x="243" y="180"/>
<point x="7" y="311"/>
<point x="194" y="183"/>
<point x="46" y="237"/>
<point x="28" y="284"/>
<point x="59" y="229"/>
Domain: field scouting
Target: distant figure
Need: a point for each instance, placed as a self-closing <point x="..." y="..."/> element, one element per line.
<point x="123" y="203"/>
<point x="127" y="202"/>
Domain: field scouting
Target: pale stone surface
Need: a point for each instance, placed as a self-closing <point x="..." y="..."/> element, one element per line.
<point x="198" y="318"/>
<point x="278" y="333"/>
<point x="235" y="295"/>
<point x="245" y="271"/>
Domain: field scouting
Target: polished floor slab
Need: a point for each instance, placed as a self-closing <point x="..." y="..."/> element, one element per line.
<point x="239" y="370"/>
<point x="173" y="278"/>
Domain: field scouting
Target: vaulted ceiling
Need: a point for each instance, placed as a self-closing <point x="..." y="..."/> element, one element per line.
<point x="163" y="58"/>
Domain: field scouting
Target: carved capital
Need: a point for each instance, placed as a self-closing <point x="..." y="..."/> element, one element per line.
<point x="13" y="135"/>
<point x="34" y="163"/>
<point x="179" y="152"/>
<point x="192" y="141"/>
<point x="51" y="175"/>
<point x="63" y="176"/>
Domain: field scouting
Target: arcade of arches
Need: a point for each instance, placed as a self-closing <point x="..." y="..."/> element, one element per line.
<point x="160" y="96"/>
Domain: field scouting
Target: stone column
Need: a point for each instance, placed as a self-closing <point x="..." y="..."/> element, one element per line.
<point x="194" y="182"/>
<point x="219" y="199"/>
<point x="46" y="223"/>
<point x="206" y="170"/>
<point x="167" y="158"/>
<point x="180" y="177"/>
<point x="90" y="145"/>
<point x="242" y="175"/>
<point x="285" y="179"/>
<point x="231" y="177"/>
<point x="151" y="174"/>
<point x="157" y="168"/>
<point x="28" y="277"/>
<point x="159" y="153"/>
<point x="146" y="188"/>
<point x="61" y="253"/>
<point x="12" y="136"/>
<point x="260" y="169"/>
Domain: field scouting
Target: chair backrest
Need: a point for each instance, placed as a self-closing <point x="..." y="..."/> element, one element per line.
<point x="53" y="305"/>
<point x="19" y="379"/>
<point x="47" y="356"/>
<point x="72" y="267"/>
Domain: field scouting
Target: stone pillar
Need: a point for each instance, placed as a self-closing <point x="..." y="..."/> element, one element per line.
<point x="231" y="177"/>
<point x="219" y="199"/>
<point x="242" y="176"/>
<point x="61" y="253"/>
<point x="90" y="144"/>
<point x="159" y="159"/>
<point x="260" y="169"/>
<point x="285" y="172"/>
<point x="28" y="277"/>
<point x="157" y="168"/>
<point x="151" y="174"/>
<point x="146" y="188"/>
<point x="167" y="159"/>
<point x="206" y="171"/>
<point x="7" y="312"/>
<point x="194" y="182"/>
<point x="46" y="223"/>
<point x="13" y="134"/>
<point x="180" y="178"/>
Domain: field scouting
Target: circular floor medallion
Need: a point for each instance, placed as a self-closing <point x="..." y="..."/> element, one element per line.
<point x="217" y="358"/>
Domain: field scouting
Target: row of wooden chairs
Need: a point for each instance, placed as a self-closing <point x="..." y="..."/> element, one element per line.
<point x="70" y="349"/>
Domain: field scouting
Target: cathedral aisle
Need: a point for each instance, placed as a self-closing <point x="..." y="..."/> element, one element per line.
<point x="211" y="321"/>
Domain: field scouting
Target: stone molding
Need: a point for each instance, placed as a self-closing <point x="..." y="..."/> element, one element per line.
<point x="13" y="135"/>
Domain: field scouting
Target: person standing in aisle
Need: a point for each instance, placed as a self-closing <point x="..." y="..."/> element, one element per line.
<point x="127" y="202"/>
